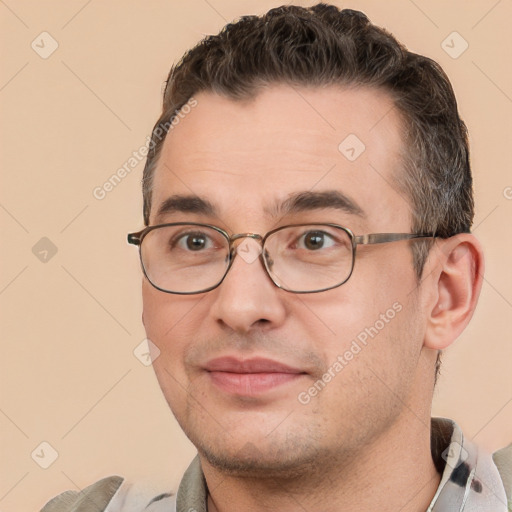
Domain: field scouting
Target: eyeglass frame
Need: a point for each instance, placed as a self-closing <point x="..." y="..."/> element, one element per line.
<point x="137" y="238"/>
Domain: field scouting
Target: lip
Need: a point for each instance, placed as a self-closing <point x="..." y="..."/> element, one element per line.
<point x="250" y="377"/>
<point x="253" y="365"/>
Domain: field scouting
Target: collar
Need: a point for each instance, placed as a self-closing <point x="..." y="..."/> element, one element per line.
<point x="470" y="480"/>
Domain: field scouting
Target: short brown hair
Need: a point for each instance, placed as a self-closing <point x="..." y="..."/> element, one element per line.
<point x="323" y="45"/>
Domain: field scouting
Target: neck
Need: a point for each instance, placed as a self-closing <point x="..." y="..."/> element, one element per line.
<point x="394" y="472"/>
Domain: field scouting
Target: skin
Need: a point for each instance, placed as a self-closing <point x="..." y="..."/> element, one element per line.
<point x="363" y="441"/>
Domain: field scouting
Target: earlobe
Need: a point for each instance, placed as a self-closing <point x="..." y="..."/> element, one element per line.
<point x="459" y="276"/>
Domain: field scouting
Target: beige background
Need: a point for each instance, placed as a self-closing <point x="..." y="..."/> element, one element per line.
<point x="70" y="324"/>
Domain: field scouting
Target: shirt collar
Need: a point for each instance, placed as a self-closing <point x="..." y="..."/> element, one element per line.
<point x="470" y="481"/>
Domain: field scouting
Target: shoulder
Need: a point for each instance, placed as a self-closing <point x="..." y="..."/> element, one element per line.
<point x="98" y="494"/>
<point x="503" y="461"/>
<point x="112" y="494"/>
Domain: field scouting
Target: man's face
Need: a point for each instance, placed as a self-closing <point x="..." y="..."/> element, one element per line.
<point x="238" y="364"/>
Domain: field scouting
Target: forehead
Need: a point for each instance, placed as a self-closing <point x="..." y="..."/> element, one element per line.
<point x="248" y="157"/>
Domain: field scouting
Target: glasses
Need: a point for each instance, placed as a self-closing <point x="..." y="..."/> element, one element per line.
<point x="189" y="258"/>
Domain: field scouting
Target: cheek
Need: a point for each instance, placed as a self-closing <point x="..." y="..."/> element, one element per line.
<point x="368" y="318"/>
<point x="161" y="315"/>
<point x="167" y="317"/>
<point x="373" y="354"/>
<point x="165" y="321"/>
<point x="155" y="310"/>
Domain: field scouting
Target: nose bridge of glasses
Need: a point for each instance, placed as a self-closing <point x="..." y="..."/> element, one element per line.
<point x="248" y="246"/>
<point x="236" y="240"/>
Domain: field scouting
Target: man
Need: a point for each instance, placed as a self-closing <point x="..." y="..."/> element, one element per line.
<point x="307" y="256"/>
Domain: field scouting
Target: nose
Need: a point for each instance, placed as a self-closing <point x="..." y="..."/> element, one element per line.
<point x="247" y="299"/>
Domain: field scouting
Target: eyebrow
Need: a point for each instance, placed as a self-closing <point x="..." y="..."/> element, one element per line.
<point x="308" y="201"/>
<point x="296" y="203"/>
<point x="185" y="204"/>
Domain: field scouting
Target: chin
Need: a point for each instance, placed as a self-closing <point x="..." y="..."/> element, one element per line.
<point x="282" y="454"/>
<point x="251" y="462"/>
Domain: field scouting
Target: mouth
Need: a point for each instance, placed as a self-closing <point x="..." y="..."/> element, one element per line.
<point x="250" y="377"/>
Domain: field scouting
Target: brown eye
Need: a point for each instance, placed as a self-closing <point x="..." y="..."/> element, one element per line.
<point x="195" y="242"/>
<point x="314" y="240"/>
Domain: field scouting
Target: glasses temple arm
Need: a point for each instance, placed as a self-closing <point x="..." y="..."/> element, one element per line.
<point x="382" y="238"/>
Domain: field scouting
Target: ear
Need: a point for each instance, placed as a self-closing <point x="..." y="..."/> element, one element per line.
<point x="458" y="276"/>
